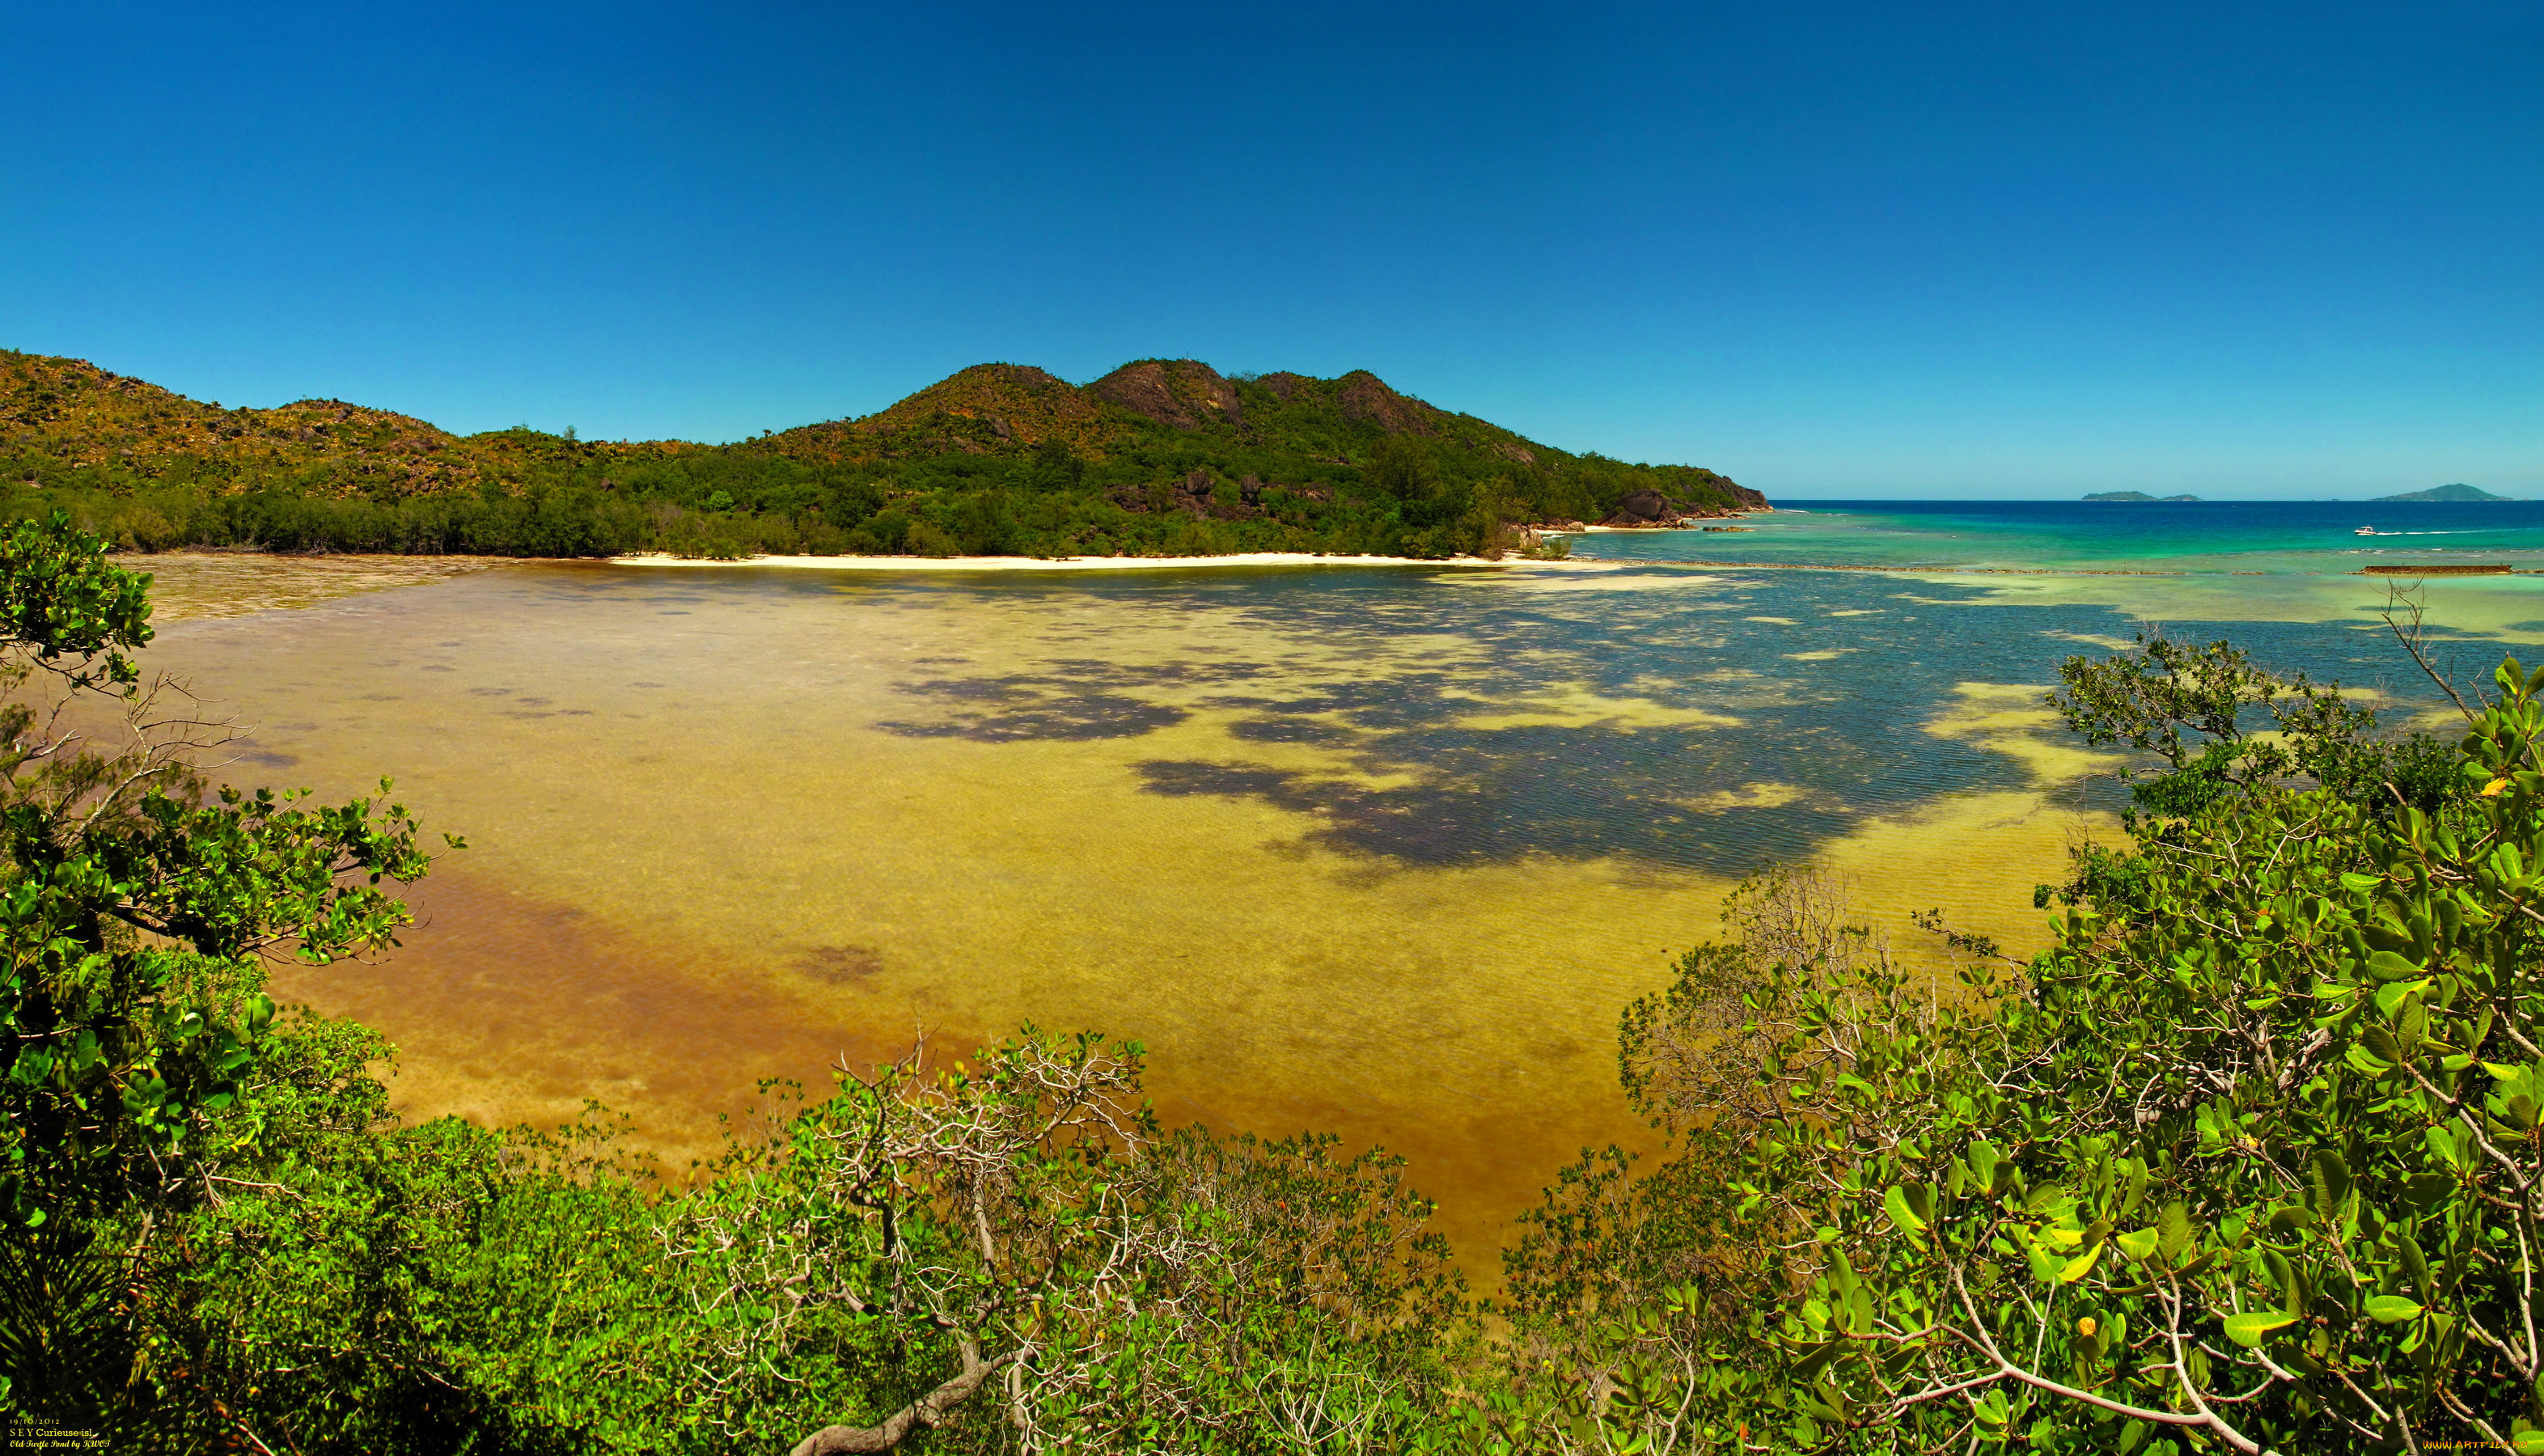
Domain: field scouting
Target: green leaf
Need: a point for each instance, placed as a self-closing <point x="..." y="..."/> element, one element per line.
<point x="2425" y="1190"/>
<point x="2173" y="1225"/>
<point x="2392" y="1309"/>
<point x="2138" y="1244"/>
<point x="2385" y="965"/>
<point x="2252" y="1326"/>
<point x="2331" y="1182"/>
<point x="2284" y="1275"/>
<point x="2391" y="996"/>
<point x="2359" y="1061"/>
<point x="2077" y="1267"/>
<point x="1895" y="1203"/>
<point x="2441" y="1141"/>
<point x="2381" y="1043"/>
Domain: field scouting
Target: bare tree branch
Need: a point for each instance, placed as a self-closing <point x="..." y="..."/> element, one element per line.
<point x="926" y="1413"/>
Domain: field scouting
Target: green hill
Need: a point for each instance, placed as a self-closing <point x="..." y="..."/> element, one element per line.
<point x="2140" y="495"/>
<point x="2458" y="492"/>
<point x="1159" y="457"/>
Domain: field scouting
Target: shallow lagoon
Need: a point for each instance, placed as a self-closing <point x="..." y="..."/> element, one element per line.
<point x="1376" y="851"/>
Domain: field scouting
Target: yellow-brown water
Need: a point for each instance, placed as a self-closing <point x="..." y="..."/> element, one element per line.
<point x="1379" y="852"/>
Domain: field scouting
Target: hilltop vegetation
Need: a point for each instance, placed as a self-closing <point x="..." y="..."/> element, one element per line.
<point x="1159" y="457"/>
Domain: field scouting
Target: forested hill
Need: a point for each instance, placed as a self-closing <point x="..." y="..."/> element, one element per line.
<point x="1159" y="457"/>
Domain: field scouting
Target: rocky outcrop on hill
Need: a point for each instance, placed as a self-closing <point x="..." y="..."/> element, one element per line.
<point x="1366" y="399"/>
<point x="984" y="409"/>
<point x="1182" y="393"/>
<point x="1287" y="386"/>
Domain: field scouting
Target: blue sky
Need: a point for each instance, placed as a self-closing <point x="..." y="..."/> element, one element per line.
<point x="1957" y="250"/>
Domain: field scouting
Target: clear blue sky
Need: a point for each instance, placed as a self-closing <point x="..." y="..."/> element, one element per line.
<point x="2244" y="250"/>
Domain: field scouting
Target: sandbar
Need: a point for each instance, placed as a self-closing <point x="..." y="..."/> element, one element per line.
<point x="1068" y="563"/>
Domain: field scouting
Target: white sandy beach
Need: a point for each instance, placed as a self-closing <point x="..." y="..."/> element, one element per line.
<point x="1074" y="563"/>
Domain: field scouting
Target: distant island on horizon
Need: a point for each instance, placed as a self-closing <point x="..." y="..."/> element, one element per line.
<point x="2457" y="491"/>
<point x="1160" y="457"/>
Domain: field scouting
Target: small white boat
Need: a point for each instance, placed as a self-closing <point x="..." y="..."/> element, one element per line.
<point x="2366" y="531"/>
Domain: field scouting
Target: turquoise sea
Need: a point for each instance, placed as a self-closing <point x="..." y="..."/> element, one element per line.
<point x="2276" y="537"/>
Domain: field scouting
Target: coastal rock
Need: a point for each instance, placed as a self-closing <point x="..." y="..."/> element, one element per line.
<point x="1649" y="509"/>
<point x="1643" y="508"/>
